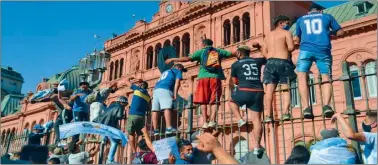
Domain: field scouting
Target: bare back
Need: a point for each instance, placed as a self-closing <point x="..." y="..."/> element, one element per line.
<point x="278" y="44"/>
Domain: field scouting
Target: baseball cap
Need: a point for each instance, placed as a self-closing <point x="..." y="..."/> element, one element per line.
<point x="183" y="69"/>
<point x="38" y="127"/>
<point x="244" y="47"/>
<point x="329" y="133"/>
<point x="83" y="83"/>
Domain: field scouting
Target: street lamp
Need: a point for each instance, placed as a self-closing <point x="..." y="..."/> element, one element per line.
<point x="92" y="64"/>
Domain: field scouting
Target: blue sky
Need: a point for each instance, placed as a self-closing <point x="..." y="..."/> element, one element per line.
<point x="39" y="39"/>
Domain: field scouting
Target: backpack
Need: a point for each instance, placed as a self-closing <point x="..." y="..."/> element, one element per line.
<point x="211" y="60"/>
<point x="139" y="158"/>
<point x="93" y="97"/>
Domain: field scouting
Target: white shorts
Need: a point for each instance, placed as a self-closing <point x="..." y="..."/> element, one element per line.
<point x="162" y="99"/>
<point x="96" y="109"/>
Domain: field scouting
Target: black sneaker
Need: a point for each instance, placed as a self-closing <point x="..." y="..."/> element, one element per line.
<point x="307" y="113"/>
<point x="327" y="111"/>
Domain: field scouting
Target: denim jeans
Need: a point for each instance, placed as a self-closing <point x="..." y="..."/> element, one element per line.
<point x="112" y="150"/>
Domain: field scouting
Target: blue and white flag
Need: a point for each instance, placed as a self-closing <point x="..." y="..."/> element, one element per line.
<point x="63" y="85"/>
<point x="71" y="129"/>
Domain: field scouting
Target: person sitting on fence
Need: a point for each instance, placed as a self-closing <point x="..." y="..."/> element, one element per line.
<point x="209" y="88"/>
<point x="97" y="98"/>
<point x="77" y="157"/>
<point x="279" y="68"/>
<point x="113" y="114"/>
<point x="313" y="32"/>
<point x="332" y="149"/>
<point x="140" y="104"/>
<point x="246" y="73"/>
<point x="58" y="153"/>
<point x="34" y="137"/>
<point x="34" y="154"/>
<point x="299" y="155"/>
<point x="166" y="90"/>
<point x="368" y="138"/>
<point x="54" y="161"/>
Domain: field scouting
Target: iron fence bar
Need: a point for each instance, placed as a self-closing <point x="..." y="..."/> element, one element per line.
<point x="246" y="111"/>
<point x="224" y="122"/>
<point x="282" y="121"/>
<point x="301" y="117"/>
<point x="177" y="117"/>
<point x="291" y="111"/>
<point x="321" y="98"/>
<point x="363" y="78"/>
<point x="232" y="134"/>
<point x="350" y="108"/>
<point x="333" y="98"/>
<point x="8" y="142"/>
<point x="190" y="118"/>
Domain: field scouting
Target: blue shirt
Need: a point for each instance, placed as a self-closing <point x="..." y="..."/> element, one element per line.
<point x="370" y="148"/>
<point x="181" y="161"/>
<point x="140" y="101"/>
<point x="314" y="31"/>
<point x="79" y="103"/>
<point x="168" y="79"/>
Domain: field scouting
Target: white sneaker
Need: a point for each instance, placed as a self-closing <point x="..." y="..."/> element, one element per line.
<point x="205" y="125"/>
<point x="258" y="151"/>
<point x="241" y="122"/>
<point x="212" y="124"/>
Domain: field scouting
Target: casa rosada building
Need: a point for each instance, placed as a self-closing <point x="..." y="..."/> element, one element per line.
<point x="229" y="24"/>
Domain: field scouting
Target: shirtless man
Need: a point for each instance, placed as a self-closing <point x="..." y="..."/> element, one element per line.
<point x="279" y="69"/>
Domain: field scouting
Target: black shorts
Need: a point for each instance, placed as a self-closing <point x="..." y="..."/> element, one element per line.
<point x="253" y="100"/>
<point x="279" y="71"/>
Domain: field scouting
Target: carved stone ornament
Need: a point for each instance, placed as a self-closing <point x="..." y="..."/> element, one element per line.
<point x="134" y="65"/>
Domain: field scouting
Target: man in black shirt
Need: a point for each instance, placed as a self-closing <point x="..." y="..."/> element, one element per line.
<point x="246" y="73"/>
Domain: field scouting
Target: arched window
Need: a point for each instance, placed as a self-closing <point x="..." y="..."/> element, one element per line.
<point x="150" y="56"/>
<point x="157" y="49"/>
<point x="246" y="26"/>
<point x="167" y="43"/>
<point x="121" y="67"/>
<point x="236" y="29"/>
<point x="116" y="70"/>
<point x="371" y="81"/>
<point x="226" y="32"/>
<point x="111" y="71"/>
<point x="185" y="44"/>
<point x="176" y="44"/>
<point x="356" y="85"/>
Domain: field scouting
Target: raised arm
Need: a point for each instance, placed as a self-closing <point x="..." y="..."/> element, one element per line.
<point x="148" y="140"/>
<point x="289" y="41"/>
<point x="346" y="130"/>
<point x="208" y="143"/>
<point x="93" y="151"/>
<point x="181" y="59"/>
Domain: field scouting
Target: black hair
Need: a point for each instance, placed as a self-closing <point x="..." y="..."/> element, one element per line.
<point x="372" y="115"/>
<point x="35" y="153"/>
<point x="72" y="147"/>
<point x="54" y="160"/>
<point x="315" y="6"/>
<point x="183" y="143"/>
<point x="279" y="19"/>
<point x="299" y="155"/>
<point x="143" y="145"/>
<point x="144" y="85"/>
<point x="207" y="42"/>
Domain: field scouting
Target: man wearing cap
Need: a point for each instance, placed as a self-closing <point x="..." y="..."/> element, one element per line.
<point x="36" y="135"/>
<point x="98" y="106"/>
<point x="111" y="117"/>
<point x="165" y="92"/>
<point x="279" y="68"/>
<point x="313" y="32"/>
<point x="80" y="107"/>
<point x="332" y="149"/>
<point x="246" y="73"/>
<point x="209" y="88"/>
<point x="140" y="104"/>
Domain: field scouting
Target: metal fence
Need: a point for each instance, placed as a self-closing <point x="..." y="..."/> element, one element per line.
<point x="279" y="136"/>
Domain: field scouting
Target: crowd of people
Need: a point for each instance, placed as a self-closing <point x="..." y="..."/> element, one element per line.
<point x="313" y="38"/>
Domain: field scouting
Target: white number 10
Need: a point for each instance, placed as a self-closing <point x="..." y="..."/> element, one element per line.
<point x="314" y="26"/>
